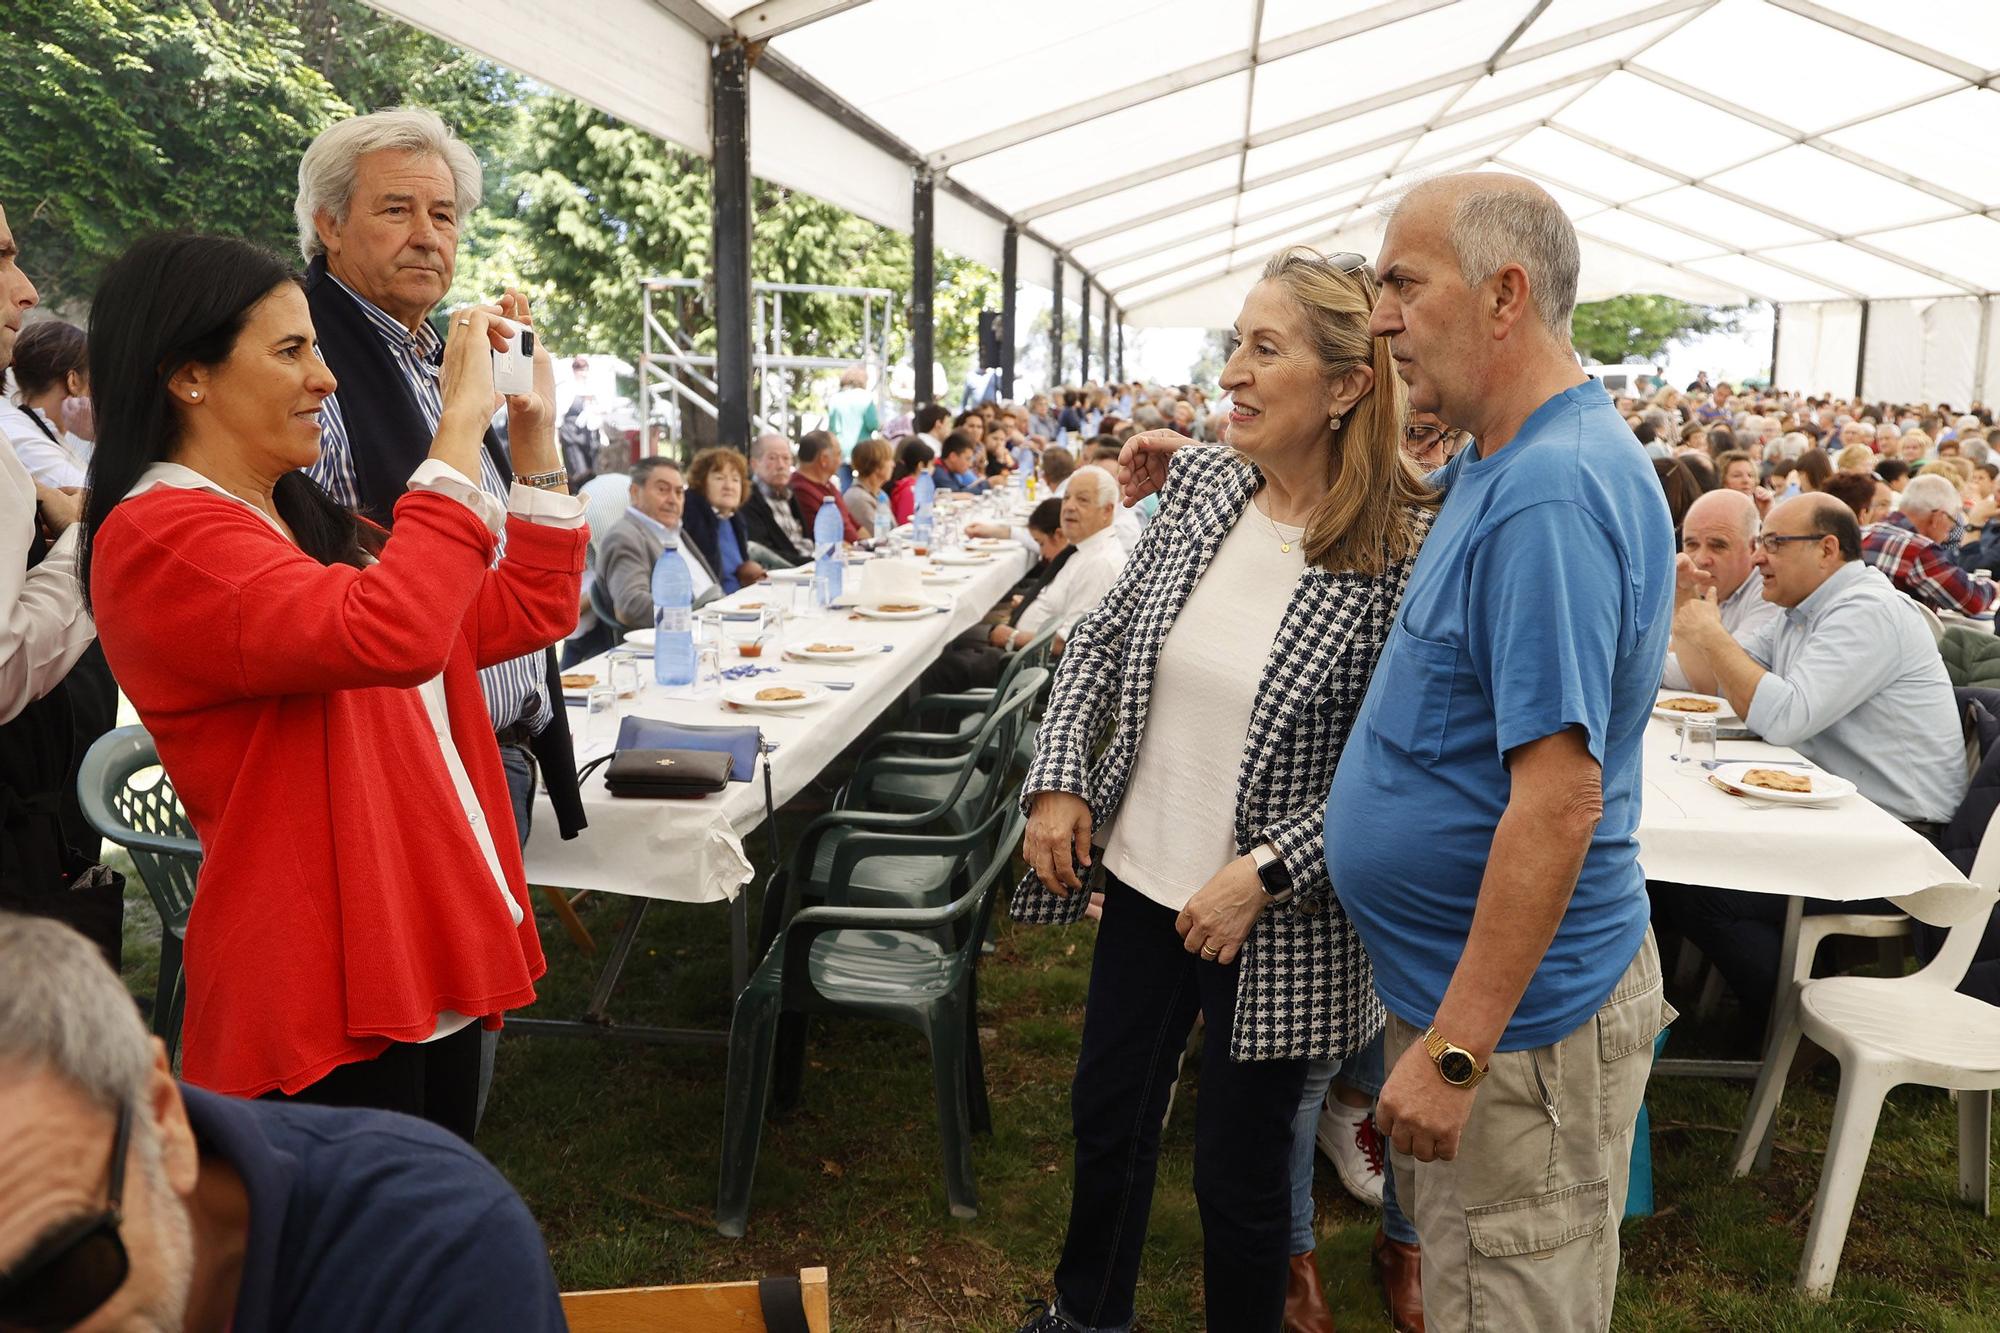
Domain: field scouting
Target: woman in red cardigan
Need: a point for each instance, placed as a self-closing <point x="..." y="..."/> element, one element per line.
<point x="311" y="681"/>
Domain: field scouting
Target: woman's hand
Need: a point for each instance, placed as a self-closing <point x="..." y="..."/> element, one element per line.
<point x="531" y="417"/>
<point x="465" y="385"/>
<point x="1222" y="912"/>
<point x="1142" y="463"/>
<point x="59" y="508"/>
<point x="1057" y="844"/>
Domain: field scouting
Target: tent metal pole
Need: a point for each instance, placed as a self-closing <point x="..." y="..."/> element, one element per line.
<point x="1979" y="351"/>
<point x="1083" y="331"/>
<point x="1055" y="329"/>
<point x="1777" y="327"/>
<point x="729" y="101"/>
<point x="1010" y="279"/>
<point x="923" y="284"/>
<point x="1121" y="344"/>
<point x="1104" y="343"/>
<point x="1861" y="352"/>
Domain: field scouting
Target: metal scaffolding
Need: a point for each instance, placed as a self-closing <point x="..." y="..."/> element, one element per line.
<point x="671" y="372"/>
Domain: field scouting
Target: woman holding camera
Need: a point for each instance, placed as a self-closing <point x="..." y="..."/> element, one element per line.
<point x="311" y="680"/>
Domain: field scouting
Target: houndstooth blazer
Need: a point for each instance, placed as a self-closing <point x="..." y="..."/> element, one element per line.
<point x="1304" y="988"/>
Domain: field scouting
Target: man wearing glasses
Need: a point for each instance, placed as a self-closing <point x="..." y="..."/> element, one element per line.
<point x="1429" y="443"/>
<point x="130" y="1202"/>
<point x="1849" y="676"/>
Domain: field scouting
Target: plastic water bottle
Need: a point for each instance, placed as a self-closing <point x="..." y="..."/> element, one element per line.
<point x="827" y="529"/>
<point x="673" y="619"/>
<point x="925" y="492"/>
<point x="885" y="526"/>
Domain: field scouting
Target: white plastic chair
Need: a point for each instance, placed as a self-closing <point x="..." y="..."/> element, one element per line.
<point x="1886" y="1032"/>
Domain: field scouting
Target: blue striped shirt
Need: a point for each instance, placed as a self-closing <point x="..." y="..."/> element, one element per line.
<point x="513" y="689"/>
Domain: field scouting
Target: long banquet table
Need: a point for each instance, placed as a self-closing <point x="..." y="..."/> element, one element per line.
<point x="691" y="851"/>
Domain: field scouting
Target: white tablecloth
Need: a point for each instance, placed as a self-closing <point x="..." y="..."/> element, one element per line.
<point x="692" y="851"/>
<point x="1691" y="833"/>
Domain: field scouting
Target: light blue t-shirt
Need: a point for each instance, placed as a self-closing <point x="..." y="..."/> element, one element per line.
<point x="1542" y="600"/>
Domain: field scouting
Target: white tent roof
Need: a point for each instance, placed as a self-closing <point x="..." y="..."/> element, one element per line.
<point x="1787" y="150"/>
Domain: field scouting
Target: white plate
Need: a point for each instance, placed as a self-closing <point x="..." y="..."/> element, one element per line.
<point x="961" y="558"/>
<point x="1826" y="786"/>
<point x="581" y="693"/>
<point x="797" y="574"/>
<point x="749" y="606"/>
<point x="941" y="578"/>
<point x="988" y="543"/>
<point x="877" y="613"/>
<point x="744" y="694"/>
<point x="640" y="638"/>
<point x="857" y="649"/>
<point x="1723" y="712"/>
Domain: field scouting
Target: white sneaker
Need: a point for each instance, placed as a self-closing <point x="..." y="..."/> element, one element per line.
<point x="1348" y="1137"/>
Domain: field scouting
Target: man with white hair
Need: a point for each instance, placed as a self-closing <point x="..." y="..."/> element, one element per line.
<point x="1719" y="555"/>
<point x="1098" y="559"/>
<point x="382" y="200"/>
<point x="134" y="1202"/>
<point x="1915" y="547"/>
<point x="1514" y="691"/>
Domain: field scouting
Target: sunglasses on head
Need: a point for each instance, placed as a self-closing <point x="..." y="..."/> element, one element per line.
<point x="76" y="1268"/>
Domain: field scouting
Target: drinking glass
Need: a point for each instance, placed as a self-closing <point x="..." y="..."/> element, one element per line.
<point x="600" y="718"/>
<point x="623" y="669"/>
<point x="1697" y="744"/>
<point x="746" y="633"/>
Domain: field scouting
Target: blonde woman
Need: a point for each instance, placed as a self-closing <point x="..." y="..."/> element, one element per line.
<point x="1226" y="665"/>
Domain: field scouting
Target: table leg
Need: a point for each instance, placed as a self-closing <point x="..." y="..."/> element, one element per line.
<point x="607" y="980"/>
<point x="1784" y="1010"/>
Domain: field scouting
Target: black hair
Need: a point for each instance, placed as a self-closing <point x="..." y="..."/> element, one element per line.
<point x="959" y="442"/>
<point x="1645" y="431"/>
<point x="1891" y="470"/>
<point x="171" y="301"/>
<point x="1838" y="522"/>
<point x="930" y="414"/>
<point x="1047" y="517"/>
<point x="911" y="454"/>
<point x="45" y="353"/>
<point x="814" y="442"/>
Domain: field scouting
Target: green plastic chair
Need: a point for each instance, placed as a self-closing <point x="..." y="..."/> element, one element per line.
<point x="127" y="797"/>
<point x="872" y="962"/>
<point x="943" y="724"/>
<point x="956" y="783"/>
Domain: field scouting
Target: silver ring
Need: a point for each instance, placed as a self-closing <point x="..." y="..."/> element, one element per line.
<point x="463" y="322"/>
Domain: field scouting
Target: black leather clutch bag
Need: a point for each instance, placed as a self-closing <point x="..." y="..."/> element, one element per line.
<point x="667" y="773"/>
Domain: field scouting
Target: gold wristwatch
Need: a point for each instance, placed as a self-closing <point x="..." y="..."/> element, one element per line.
<point x="1455" y="1063"/>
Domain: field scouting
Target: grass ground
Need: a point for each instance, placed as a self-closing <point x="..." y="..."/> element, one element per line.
<point x="615" y="1146"/>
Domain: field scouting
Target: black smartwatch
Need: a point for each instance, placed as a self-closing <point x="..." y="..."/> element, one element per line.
<point x="1272" y="874"/>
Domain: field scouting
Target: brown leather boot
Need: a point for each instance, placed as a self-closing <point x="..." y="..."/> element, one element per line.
<point x="1395" y="1269"/>
<point x="1305" y="1303"/>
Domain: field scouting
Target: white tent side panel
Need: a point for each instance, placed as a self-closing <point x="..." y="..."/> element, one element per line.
<point x="1922" y="351"/>
<point x="627" y="58"/>
<point x="1817" y="346"/>
<point x="1988" y="385"/>
<point x="795" y="145"/>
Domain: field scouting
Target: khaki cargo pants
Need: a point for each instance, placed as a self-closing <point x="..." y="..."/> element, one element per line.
<point x="1521" y="1230"/>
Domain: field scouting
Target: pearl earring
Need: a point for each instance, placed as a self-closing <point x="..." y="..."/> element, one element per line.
<point x="1335" y="423"/>
<point x="196" y="393"/>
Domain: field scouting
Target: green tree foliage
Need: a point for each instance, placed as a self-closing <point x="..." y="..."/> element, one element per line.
<point x="1642" y="327"/>
<point x="123" y="118"/>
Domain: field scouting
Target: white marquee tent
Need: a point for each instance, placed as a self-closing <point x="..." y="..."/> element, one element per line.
<point x="1833" y="157"/>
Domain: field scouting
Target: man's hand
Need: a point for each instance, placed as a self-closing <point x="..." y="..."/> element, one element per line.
<point x="59" y="509"/>
<point x="1000" y="635"/>
<point x="1222" y="912"/>
<point x="996" y="531"/>
<point x="1057" y="844"/>
<point x="1698" y="617"/>
<point x="749" y="572"/>
<point x="1421" y="1113"/>
<point x="1762" y="497"/>
<point x="1142" y="463"/>
<point x="1688" y="580"/>
<point x="531" y="417"/>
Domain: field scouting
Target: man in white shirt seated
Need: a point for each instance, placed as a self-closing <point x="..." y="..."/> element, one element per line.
<point x="1719" y="554"/>
<point x="1850" y="677"/>
<point x="626" y="554"/>
<point x="1088" y="508"/>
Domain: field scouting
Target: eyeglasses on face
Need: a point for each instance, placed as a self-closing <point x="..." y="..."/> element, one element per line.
<point x="1761" y="543"/>
<point x="1428" y="435"/>
<point x="77" y="1267"/>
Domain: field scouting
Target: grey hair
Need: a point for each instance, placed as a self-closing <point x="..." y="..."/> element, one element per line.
<point x="1104" y="484"/>
<point x="1494" y="225"/>
<point x="1930" y="492"/>
<point x="328" y="169"/>
<point x="1788" y="446"/>
<point x="62" y="1010"/>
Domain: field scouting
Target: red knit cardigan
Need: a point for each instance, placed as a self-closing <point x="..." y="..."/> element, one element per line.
<point x="343" y="901"/>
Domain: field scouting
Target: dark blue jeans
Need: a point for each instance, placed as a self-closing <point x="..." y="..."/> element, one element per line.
<point x="1145" y="990"/>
